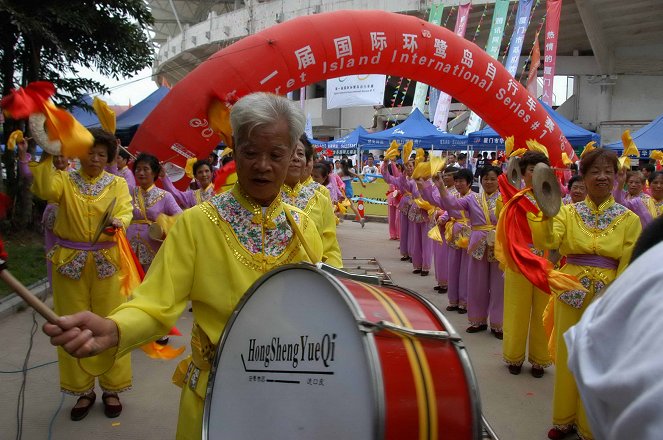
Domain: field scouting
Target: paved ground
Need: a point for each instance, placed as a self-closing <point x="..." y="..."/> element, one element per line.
<point x="518" y="407"/>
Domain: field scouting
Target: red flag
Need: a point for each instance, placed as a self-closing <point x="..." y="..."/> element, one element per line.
<point x="534" y="67"/>
<point x="553" y="10"/>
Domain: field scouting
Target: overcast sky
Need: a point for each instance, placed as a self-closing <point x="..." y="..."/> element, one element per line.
<point x="124" y="90"/>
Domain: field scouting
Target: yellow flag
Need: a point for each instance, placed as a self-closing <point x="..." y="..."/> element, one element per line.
<point x="105" y="114"/>
<point x="630" y="149"/>
<point x="76" y="140"/>
<point x="589" y="147"/>
<point x="188" y="168"/>
<point x="407" y="151"/>
<point x="533" y="145"/>
<point x="422" y="170"/>
<point x="419" y="157"/>
<point x="508" y="145"/>
<point x="565" y="159"/>
<point x="218" y="114"/>
<point x="437" y="164"/>
<point x="518" y="152"/>
<point x="656" y="155"/>
<point x="14" y="138"/>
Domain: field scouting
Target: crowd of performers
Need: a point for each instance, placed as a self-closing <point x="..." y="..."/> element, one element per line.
<point x="259" y="210"/>
<point x="507" y="266"/>
<point x="499" y="260"/>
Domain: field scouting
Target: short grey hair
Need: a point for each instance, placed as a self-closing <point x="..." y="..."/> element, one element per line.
<point x="257" y="109"/>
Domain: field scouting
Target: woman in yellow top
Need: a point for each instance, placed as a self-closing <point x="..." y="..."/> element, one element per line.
<point x="314" y="204"/>
<point x="523" y="302"/>
<point x="306" y="179"/>
<point x="597" y="237"/>
<point x="85" y="274"/>
<point x="656" y="189"/>
<point x="237" y="236"/>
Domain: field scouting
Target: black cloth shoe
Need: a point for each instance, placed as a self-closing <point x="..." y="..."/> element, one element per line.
<point x="498" y="335"/>
<point x="538" y="372"/>
<point x="515" y="369"/>
<point x="462" y="311"/>
<point x="437" y="288"/>
<point x="452" y="308"/>
<point x="443" y="289"/>
<point x="405" y="258"/>
<point x="416" y="271"/>
<point x="477" y="328"/>
<point x="111" y="410"/>
<point x="424" y="273"/>
<point x="79" y="413"/>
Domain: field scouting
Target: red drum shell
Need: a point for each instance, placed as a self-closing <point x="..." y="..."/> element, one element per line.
<point x="422" y="388"/>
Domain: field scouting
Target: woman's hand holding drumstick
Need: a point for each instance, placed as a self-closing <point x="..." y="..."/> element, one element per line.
<point x="83" y="334"/>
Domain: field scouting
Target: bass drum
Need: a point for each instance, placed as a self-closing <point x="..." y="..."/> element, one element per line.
<point x="308" y="355"/>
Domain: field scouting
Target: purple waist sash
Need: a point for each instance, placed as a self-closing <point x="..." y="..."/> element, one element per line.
<point x="84" y="246"/>
<point x="592" y="261"/>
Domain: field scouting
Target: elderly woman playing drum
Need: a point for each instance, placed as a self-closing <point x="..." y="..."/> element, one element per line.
<point x="85" y="274"/>
<point x="597" y="237"/>
<point x="237" y="236"/>
<point x="149" y="203"/>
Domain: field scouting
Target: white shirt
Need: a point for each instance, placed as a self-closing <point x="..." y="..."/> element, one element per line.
<point x="616" y="354"/>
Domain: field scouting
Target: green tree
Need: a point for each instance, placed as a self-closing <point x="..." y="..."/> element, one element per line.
<point x="50" y="39"/>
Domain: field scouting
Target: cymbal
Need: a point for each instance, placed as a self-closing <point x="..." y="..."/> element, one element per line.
<point x="546" y="190"/>
<point x="156" y="232"/>
<point x="105" y="222"/>
<point x="513" y="174"/>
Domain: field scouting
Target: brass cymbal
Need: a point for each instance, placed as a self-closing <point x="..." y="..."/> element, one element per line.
<point x="546" y="190"/>
<point x="105" y="222"/>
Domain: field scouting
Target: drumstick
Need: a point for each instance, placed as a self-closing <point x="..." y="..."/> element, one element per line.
<point x="299" y="235"/>
<point x="34" y="302"/>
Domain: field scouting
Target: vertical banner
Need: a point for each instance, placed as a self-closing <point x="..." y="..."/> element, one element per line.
<point x="308" y="128"/>
<point x="492" y="49"/>
<point x="518" y="36"/>
<point x="553" y="9"/>
<point x="421" y="89"/>
<point x="356" y="90"/>
<point x="302" y="97"/>
<point x="444" y="102"/>
<point x="535" y="62"/>
<point x="433" y="97"/>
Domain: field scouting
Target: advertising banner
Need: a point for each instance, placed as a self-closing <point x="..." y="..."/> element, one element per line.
<point x="355" y="91"/>
<point x="553" y="10"/>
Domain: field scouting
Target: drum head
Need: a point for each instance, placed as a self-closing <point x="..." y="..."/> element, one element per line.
<point x="292" y="364"/>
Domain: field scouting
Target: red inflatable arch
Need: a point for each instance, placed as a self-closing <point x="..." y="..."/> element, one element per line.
<point x="308" y="49"/>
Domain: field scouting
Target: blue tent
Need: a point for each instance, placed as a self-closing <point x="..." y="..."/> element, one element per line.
<point x="648" y="138"/>
<point x="86" y="117"/>
<point x="349" y="141"/>
<point x="488" y="139"/>
<point x="418" y="129"/>
<point x="132" y="118"/>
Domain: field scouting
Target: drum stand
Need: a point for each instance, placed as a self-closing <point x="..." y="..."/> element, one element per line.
<point x="366" y="267"/>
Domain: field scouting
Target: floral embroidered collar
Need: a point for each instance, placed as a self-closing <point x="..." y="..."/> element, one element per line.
<point x="299" y="196"/>
<point x="599" y="217"/>
<point x="91" y="186"/>
<point x="257" y="217"/>
<point x="264" y="235"/>
<point x="600" y="208"/>
<point x="150" y="196"/>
